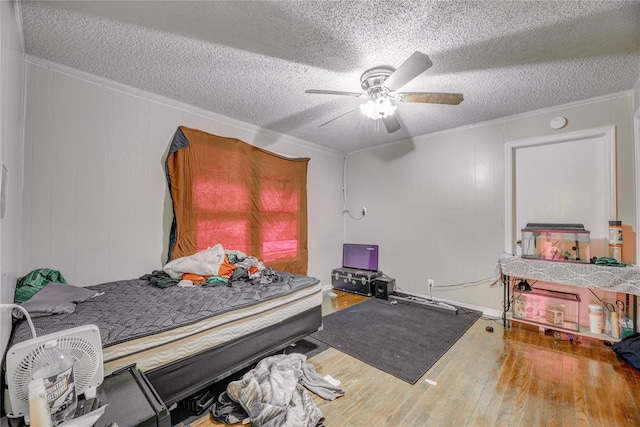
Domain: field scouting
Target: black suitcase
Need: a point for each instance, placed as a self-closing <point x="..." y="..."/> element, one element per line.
<point x="356" y="281"/>
<point x="132" y="401"/>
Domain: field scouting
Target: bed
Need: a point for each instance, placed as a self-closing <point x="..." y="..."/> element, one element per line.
<point x="185" y="339"/>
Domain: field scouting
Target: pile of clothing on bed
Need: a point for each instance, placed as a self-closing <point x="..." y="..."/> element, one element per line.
<point x="274" y="393"/>
<point x="213" y="265"/>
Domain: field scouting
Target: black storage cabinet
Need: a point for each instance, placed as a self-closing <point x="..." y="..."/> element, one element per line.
<point x="132" y="401"/>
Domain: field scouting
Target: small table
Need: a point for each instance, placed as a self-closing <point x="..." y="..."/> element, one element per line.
<point x="615" y="279"/>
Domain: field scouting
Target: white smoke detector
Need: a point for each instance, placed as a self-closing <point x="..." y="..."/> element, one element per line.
<point x="558" y="122"/>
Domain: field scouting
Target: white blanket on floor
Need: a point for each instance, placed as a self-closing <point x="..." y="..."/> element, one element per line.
<point x="272" y="393"/>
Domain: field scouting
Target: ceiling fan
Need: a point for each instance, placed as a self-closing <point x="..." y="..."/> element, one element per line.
<point x="381" y="84"/>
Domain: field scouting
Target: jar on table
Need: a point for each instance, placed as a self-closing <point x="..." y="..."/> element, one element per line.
<point x="615" y="232"/>
<point x="615" y="252"/>
<point x="595" y="318"/>
<point x="615" y="240"/>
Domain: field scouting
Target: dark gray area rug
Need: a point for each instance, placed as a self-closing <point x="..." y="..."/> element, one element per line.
<point x="401" y="339"/>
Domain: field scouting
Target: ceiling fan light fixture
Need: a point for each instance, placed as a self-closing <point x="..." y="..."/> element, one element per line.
<point x="381" y="85"/>
<point x="381" y="108"/>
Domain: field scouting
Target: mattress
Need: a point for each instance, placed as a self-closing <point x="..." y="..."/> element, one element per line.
<point x="150" y="326"/>
<point x="154" y="351"/>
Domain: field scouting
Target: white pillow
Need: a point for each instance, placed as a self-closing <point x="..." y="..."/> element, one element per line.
<point x="55" y="298"/>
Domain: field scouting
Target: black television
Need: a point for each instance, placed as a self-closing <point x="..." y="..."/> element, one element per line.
<point x="360" y="256"/>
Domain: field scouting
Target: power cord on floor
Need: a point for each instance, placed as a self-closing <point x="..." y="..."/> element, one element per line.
<point x="493" y="319"/>
<point x="419" y="300"/>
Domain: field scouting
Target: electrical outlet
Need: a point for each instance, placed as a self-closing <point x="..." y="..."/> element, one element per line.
<point x="364" y="210"/>
<point x="430" y="283"/>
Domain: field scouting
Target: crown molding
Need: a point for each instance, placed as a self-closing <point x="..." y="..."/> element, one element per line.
<point x="552" y="109"/>
<point x="162" y="100"/>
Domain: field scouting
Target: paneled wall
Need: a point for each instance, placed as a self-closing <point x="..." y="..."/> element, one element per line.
<point x="96" y="205"/>
<point x="436" y="203"/>
<point x="11" y="139"/>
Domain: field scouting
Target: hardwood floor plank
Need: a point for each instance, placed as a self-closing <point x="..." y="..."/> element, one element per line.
<point x="581" y="408"/>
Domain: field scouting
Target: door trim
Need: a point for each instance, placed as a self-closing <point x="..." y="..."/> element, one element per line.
<point x="608" y="133"/>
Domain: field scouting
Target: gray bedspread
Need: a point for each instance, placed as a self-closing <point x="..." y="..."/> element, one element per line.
<point x="131" y="309"/>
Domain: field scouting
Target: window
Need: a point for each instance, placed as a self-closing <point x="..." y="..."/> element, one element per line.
<point x="245" y="198"/>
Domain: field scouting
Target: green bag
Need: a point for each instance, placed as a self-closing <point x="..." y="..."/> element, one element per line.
<point x="611" y="262"/>
<point x="30" y="284"/>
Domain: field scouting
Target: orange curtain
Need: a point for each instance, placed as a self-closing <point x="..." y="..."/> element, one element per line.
<point x="248" y="199"/>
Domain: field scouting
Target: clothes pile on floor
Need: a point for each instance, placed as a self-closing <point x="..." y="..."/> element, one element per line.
<point x="274" y="393"/>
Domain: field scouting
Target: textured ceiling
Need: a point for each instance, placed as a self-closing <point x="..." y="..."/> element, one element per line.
<point x="253" y="60"/>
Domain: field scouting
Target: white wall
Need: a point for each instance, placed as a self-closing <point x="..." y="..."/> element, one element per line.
<point x="11" y="143"/>
<point x="436" y="203"/>
<point x="636" y="95"/>
<point x="96" y="205"/>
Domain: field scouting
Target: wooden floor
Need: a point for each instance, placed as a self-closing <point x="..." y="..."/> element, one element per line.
<point x="513" y="377"/>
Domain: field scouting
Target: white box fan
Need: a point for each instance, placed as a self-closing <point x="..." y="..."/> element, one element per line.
<point x="23" y="359"/>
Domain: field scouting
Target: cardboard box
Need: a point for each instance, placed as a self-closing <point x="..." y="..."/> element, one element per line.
<point x="555" y="316"/>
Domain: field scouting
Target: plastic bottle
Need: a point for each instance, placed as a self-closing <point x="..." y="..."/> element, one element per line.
<point x="615" y="325"/>
<point x="626" y="327"/>
<point x="615" y="252"/>
<point x="39" y="415"/>
<point x="615" y="232"/>
<point x="59" y="382"/>
<point x="595" y="318"/>
<point x="615" y="240"/>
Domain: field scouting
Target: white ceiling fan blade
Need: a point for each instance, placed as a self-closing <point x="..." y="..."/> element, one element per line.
<point x="430" y="97"/>
<point x="415" y="65"/>
<point x="341" y="115"/>
<point x="335" y="92"/>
